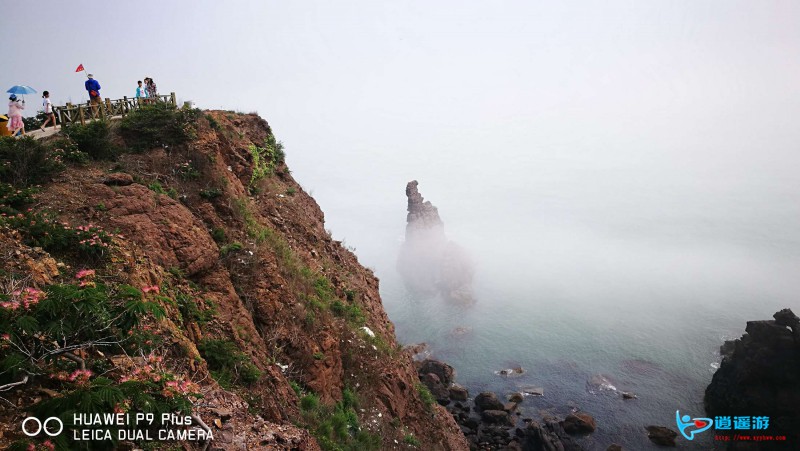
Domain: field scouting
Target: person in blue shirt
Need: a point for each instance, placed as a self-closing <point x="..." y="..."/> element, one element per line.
<point x="141" y="92"/>
<point x="93" y="87"/>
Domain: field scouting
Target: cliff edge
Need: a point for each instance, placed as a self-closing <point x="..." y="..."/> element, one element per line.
<point x="195" y="275"/>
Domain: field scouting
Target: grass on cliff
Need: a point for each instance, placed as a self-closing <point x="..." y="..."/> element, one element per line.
<point x="337" y="427"/>
<point x="227" y="363"/>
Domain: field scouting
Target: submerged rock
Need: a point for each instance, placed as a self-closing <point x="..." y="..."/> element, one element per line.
<point x="531" y="390"/>
<point x="661" y="435"/>
<point x="579" y="423"/>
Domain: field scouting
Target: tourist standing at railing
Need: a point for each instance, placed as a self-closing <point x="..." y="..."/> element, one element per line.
<point x="151" y="89"/>
<point x="141" y="91"/>
<point x="93" y="87"/>
<point x="47" y="109"/>
<point x="15" y="107"/>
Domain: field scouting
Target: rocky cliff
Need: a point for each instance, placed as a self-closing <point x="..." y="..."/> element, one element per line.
<point x="429" y="263"/>
<point x="275" y="325"/>
<point x="760" y="376"/>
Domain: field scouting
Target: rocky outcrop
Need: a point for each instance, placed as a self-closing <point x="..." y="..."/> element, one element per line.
<point x="760" y="376"/>
<point x="429" y="263"/>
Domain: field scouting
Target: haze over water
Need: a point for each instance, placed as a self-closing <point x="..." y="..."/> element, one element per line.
<point x="624" y="174"/>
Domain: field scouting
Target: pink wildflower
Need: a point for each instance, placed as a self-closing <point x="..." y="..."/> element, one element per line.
<point x="153" y="288"/>
<point x="85" y="273"/>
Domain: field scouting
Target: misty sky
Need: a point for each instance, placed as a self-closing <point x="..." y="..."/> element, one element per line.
<point x="367" y="95"/>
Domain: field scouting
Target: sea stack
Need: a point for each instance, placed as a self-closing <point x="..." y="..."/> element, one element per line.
<point x="429" y="263"/>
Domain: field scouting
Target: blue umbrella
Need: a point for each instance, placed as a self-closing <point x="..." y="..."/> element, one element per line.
<point x="21" y="89"/>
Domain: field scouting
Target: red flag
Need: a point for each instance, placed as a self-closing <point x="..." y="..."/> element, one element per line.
<point x="80" y="68"/>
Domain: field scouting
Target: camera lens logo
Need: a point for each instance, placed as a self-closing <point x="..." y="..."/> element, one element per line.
<point x="685" y="422"/>
<point x="32" y="426"/>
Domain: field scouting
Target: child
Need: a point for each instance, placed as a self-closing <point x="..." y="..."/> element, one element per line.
<point x="15" y="108"/>
<point x="48" y="110"/>
<point x="141" y="92"/>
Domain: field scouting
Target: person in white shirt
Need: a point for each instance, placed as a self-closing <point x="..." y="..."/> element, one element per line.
<point x="47" y="107"/>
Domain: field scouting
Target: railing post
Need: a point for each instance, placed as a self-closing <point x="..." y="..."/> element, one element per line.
<point x="172" y="99"/>
<point x="66" y="117"/>
<point x="124" y="105"/>
<point x="80" y="114"/>
<point x="108" y="111"/>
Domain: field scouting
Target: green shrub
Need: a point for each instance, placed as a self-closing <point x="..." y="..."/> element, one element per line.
<point x="230" y="247"/>
<point x="298" y="390"/>
<point x="159" y="124"/>
<point x="228" y="365"/>
<point x="67" y="150"/>
<point x="210" y="193"/>
<point x="190" y="311"/>
<point x="266" y="159"/>
<point x="212" y="122"/>
<point x="309" y="402"/>
<point x="426" y="396"/>
<point x="218" y="234"/>
<point x="157" y="188"/>
<point x="409" y="439"/>
<point x="337" y="427"/>
<point x="13" y="200"/>
<point x="25" y="162"/>
<point x="43" y="229"/>
<point x="94" y="138"/>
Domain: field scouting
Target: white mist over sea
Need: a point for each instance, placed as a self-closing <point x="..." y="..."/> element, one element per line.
<point x="591" y="258"/>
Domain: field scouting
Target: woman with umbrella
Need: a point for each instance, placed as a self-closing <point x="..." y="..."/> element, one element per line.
<point x="15" y="107"/>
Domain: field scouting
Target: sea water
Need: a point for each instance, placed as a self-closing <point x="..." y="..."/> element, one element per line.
<point x="625" y="267"/>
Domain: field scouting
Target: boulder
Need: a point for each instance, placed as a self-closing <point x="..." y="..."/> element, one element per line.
<point x="516" y="397"/>
<point x="488" y="401"/>
<point x="458" y="393"/>
<point x="661" y="435"/>
<point x="445" y="372"/>
<point x="628" y="395"/>
<point x="549" y="436"/>
<point x="614" y="447"/>
<point x="579" y="423"/>
<point x="496" y="417"/>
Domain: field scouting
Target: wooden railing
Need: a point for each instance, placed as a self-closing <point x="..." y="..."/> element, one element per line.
<point x="83" y="113"/>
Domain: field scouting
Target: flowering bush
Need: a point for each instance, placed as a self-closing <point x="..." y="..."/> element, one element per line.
<point x="39" y="326"/>
<point x="13" y="199"/>
<point x="66" y="150"/>
<point x="44" y="230"/>
<point x="25" y="162"/>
